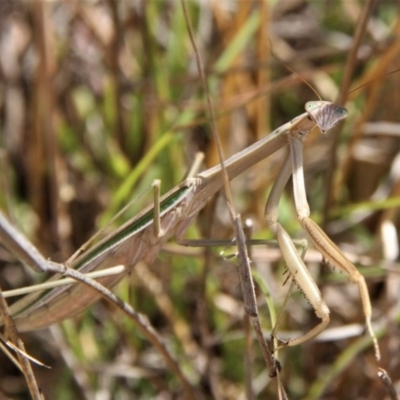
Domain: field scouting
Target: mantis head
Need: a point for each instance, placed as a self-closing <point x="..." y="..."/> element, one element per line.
<point x="325" y="114"/>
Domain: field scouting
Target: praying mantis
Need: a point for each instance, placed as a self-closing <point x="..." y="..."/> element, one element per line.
<point x="142" y="237"/>
<point x="221" y="322"/>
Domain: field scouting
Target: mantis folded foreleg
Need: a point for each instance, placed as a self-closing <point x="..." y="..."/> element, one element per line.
<point x="294" y="165"/>
<point x="292" y="258"/>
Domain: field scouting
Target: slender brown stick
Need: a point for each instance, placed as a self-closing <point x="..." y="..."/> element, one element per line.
<point x="24" y="361"/>
<point x="246" y="279"/>
<point x="387" y="382"/>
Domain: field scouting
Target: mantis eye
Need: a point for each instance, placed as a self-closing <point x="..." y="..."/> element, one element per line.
<point x="325" y="114"/>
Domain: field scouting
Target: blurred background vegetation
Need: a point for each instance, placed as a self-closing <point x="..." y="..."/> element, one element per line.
<point x="98" y="98"/>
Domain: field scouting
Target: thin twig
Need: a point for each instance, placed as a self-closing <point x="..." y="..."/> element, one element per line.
<point x="387" y="382"/>
<point x="246" y="279"/>
<point x="24" y="361"/>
